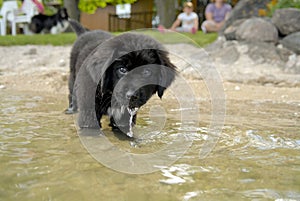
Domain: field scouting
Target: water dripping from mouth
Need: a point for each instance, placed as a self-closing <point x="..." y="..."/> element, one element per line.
<point x="132" y="112"/>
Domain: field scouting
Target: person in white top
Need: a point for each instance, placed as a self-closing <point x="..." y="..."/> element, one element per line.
<point x="188" y="20"/>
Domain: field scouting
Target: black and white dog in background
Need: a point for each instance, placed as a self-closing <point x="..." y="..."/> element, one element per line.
<point x="53" y="24"/>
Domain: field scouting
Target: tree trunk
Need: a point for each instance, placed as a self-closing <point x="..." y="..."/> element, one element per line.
<point x="72" y="8"/>
<point x="166" y="10"/>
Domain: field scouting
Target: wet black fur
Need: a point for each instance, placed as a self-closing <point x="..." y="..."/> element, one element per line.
<point x="132" y="60"/>
<point x="95" y="59"/>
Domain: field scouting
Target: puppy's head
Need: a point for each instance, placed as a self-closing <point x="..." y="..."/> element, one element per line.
<point x="133" y="78"/>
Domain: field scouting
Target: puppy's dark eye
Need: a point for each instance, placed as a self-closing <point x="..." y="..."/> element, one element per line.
<point x="123" y="70"/>
<point x="147" y="73"/>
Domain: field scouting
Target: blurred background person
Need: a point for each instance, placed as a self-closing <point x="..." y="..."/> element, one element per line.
<point x="187" y="19"/>
<point x="215" y="13"/>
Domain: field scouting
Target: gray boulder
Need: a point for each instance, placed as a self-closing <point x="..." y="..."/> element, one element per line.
<point x="287" y="20"/>
<point x="292" y="42"/>
<point x="246" y="9"/>
<point x="284" y="53"/>
<point x="230" y="32"/>
<point x="218" y="44"/>
<point x="257" y="29"/>
<point x="261" y="52"/>
<point x="228" y="55"/>
<point x="223" y="51"/>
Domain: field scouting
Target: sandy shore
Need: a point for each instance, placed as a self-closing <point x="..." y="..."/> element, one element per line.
<point x="46" y="69"/>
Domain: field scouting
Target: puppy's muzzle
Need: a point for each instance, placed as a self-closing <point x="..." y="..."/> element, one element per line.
<point x="133" y="99"/>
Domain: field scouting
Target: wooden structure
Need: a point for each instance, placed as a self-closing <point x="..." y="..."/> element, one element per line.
<point x="137" y="20"/>
<point x="106" y="18"/>
<point x="141" y="16"/>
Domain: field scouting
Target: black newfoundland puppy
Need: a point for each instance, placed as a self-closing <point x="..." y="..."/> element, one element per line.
<point x="115" y="76"/>
<point x="53" y="24"/>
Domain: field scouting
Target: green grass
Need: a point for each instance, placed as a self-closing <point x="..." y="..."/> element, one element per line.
<point x="202" y="39"/>
<point x="199" y="38"/>
<point x="68" y="38"/>
<point x="39" y="39"/>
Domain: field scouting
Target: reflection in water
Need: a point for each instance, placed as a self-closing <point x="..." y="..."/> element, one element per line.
<point x="256" y="158"/>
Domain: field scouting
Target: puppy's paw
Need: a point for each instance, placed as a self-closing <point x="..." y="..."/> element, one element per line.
<point x="113" y="125"/>
<point x="87" y="119"/>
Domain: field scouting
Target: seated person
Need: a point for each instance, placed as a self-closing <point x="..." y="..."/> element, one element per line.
<point x="215" y="13"/>
<point x="39" y="6"/>
<point x="27" y="4"/>
<point x="188" y="20"/>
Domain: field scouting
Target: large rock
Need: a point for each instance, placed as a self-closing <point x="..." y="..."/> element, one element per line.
<point x="228" y="55"/>
<point x="257" y="29"/>
<point x="246" y="9"/>
<point x="287" y="20"/>
<point x="284" y="53"/>
<point x="223" y="51"/>
<point x="292" y="42"/>
<point x="261" y="52"/>
<point x="230" y="32"/>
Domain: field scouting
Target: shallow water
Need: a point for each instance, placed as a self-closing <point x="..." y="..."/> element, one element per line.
<point x="257" y="157"/>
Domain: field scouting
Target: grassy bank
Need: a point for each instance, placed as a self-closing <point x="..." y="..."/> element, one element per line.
<point x="69" y="38"/>
<point x="39" y="39"/>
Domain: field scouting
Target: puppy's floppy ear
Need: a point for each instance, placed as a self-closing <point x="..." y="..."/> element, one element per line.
<point x="106" y="81"/>
<point x="98" y="66"/>
<point x="107" y="78"/>
<point x="167" y="72"/>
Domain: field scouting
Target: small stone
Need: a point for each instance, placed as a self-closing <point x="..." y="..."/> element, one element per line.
<point x="2" y="86"/>
<point x="62" y="63"/>
<point x="237" y="88"/>
<point x="31" y="51"/>
<point x="269" y="85"/>
<point x="280" y="46"/>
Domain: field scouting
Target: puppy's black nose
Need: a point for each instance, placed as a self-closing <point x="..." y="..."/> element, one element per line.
<point x="130" y="95"/>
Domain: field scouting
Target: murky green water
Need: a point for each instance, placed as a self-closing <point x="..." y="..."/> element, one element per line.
<point x="257" y="156"/>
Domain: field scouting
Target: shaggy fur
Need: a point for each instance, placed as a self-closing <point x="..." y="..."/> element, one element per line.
<point x="115" y="75"/>
<point x="50" y="24"/>
<point x="86" y="42"/>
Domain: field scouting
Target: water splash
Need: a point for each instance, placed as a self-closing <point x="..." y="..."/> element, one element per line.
<point x="132" y="112"/>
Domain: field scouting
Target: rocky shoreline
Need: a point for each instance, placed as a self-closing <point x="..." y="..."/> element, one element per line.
<point x="46" y="68"/>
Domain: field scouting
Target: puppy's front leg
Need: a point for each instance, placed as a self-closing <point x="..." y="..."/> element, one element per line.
<point x="113" y="124"/>
<point x="85" y="90"/>
<point x="72" y="98"/>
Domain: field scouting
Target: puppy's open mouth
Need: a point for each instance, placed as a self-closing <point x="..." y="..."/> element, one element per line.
<point x="129" y="118"/>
